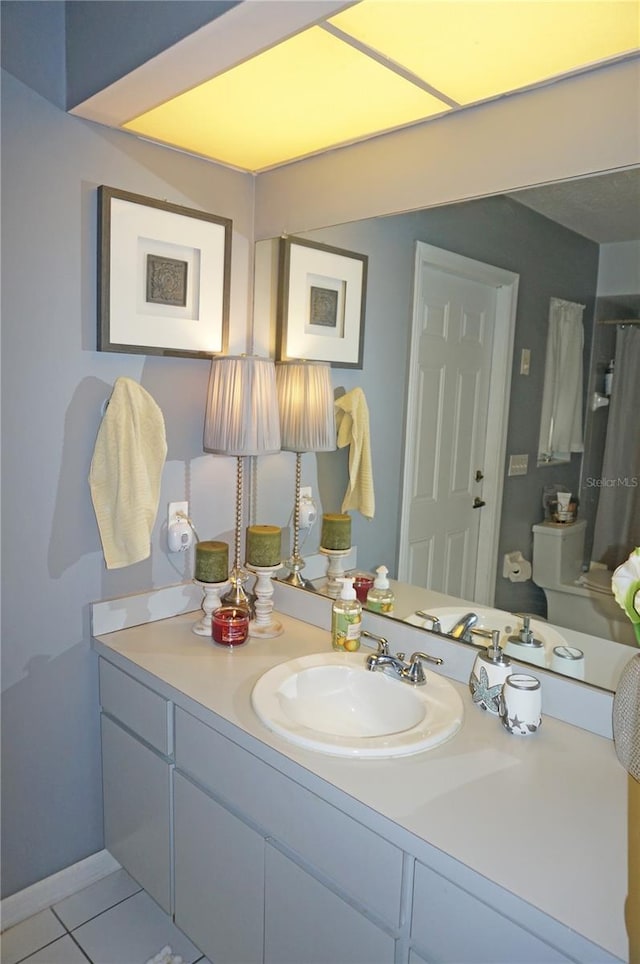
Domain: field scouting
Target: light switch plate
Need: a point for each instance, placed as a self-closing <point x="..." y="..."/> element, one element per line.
<point x="525" y="361"/>
<point x="518" y="464"/>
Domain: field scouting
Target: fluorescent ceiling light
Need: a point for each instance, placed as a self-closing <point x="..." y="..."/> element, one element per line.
<point x="384" y="64"/>
<point x="472" y="50"/>
<point x="310" y="92"/>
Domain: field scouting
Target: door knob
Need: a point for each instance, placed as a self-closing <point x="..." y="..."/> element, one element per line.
<point x="478" y="503"/>
<point x="479" y="475"/>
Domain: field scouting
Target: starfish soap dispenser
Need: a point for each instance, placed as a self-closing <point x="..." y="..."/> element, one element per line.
<point x="490" y="670"/>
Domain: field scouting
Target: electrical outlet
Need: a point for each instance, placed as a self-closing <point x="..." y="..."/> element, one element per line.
<point x="518" y="464"/>
<point x="179" y="532"/>
<point x="308" y="508"/>
<point x="178" y="511"/>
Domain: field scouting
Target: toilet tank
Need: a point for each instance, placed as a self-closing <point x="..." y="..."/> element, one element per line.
<point x="558" y="553"/>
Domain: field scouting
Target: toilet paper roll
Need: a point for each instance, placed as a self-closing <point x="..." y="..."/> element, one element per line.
<point x="516" y="568"/>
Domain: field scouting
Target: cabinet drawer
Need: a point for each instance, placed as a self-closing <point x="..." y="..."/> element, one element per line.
<point x="136" y="706"/>
<point x="361" y="864"/>
<point x="487" y="937"/>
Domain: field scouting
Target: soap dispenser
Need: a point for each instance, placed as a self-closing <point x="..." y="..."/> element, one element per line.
<point x="380" y="598"/>
<point x="346" y="619"/>
<point x="489" y="672"/>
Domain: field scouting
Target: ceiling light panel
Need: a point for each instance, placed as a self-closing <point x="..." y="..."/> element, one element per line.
<point x="309" y="93"/>
<point x="472" y="50"/>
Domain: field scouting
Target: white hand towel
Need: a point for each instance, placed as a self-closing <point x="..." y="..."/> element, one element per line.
<point x="125" y="473"/>
<point x="352" y="420"/>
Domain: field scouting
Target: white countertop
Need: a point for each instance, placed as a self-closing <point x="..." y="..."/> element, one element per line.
<point x="542" y="816"/>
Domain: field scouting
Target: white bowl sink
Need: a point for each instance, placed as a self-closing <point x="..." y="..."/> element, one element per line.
<point x="331" y="703"/>
<point x="507" y="623"/>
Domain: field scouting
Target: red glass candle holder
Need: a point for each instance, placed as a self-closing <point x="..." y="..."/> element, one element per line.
<point x="362" y="583"/>
<point x="230" y="625"/>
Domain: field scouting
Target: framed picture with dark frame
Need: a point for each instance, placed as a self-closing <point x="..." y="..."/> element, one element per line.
<point x="163" y="277"/>
<point x="321" y="303"/>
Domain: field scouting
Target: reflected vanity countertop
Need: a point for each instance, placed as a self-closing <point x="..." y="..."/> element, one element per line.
<point x="543" y="817"/>
<point x="604" y="659"/>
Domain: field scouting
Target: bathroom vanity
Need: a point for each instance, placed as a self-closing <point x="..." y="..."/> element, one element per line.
<point x="487" y="848"/>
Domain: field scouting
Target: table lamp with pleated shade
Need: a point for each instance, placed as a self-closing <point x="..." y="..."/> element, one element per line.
<point x="307" y="424"/>
<point x="241" y="419"/>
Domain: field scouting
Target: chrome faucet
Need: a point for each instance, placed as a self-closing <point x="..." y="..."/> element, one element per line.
<point x="460" y="629"/>
<point x="411" y="671"/>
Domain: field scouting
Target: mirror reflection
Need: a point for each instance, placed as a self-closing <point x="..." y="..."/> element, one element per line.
<point x="514" y="252"/>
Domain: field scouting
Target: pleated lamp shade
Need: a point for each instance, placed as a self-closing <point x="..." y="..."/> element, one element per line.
<point x="242" y="416"/>
<point x="305" y="399"/>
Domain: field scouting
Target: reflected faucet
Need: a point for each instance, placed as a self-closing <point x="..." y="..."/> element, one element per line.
<point x="460" y="629"/>
<point x="436" y="626"/>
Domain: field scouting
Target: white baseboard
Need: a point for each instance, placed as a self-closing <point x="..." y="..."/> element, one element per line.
<point x="53" y="889"/>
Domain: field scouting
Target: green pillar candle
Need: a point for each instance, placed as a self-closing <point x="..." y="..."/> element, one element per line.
<point x="212" y="561"/>
<point x="264" y="546"/>
<point x="336" y="531"/>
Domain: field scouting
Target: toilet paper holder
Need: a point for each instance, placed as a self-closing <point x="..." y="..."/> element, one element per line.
<point x="515" y="567"/>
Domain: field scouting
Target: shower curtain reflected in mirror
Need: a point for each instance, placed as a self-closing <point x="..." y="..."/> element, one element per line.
<point x="617" y="525"/>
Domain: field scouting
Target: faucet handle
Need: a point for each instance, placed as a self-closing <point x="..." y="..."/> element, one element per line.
<point x="436" y="625"/>
<point x="382" y="644"/>
<point x="415" y="672"/>
<point x="415" y="657"/>
<point x="487" y="633"/>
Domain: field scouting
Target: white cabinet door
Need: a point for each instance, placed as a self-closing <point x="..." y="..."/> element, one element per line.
<point x="306" y="923"/>
<point x="137" y="821"/>
<point x="339" y="848"/>
<point x="219" y="878"/>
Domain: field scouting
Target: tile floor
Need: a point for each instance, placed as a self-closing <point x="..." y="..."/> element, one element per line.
<point x="110" y="922"/>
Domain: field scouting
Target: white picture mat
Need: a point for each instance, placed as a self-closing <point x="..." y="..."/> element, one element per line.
<point x="155" y="326"/>
<point x="301" y="341"/>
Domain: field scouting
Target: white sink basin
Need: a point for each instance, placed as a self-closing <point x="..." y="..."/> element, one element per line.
<point x="331" y="703"/>
<point x="507" y="623"/>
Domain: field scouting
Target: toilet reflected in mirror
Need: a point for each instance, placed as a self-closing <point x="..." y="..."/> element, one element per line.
<point x="576" y="599"/>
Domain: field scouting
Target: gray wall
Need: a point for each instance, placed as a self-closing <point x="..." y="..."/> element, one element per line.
<point x="33" y="45"/>
<point x="551" y="261"/>
<point x="53" y="385"/>
<point x="106" y="40"/>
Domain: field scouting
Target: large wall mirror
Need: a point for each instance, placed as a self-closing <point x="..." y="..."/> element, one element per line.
<point x="579" y="242"/>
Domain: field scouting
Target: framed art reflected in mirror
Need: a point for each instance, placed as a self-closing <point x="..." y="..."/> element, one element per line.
<point x="321" y="303"/>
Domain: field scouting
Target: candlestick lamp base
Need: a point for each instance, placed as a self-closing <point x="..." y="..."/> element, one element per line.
<point x="295" y="565"/>
<point x="237" y="595"/>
